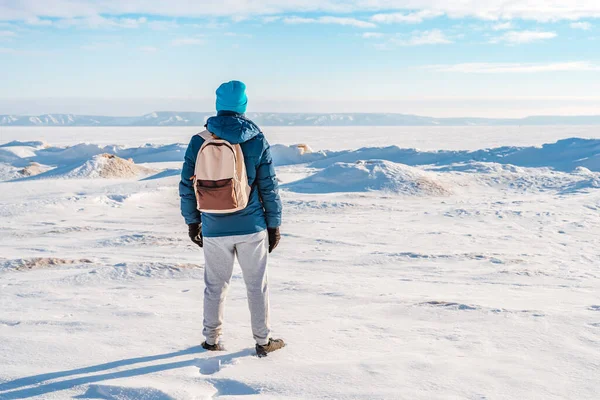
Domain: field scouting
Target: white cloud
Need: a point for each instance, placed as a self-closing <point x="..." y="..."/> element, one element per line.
<point x="9" y="50"/>
<point x="239" y="18"/>
<point x="7" y="34"/>
<point x="148" y="49"/>
<point x="372" y="35"/>
<point x="163" y="25"/>
<point x="504" y="68"/>
<point x="503" y="26"/>
<point x="103" y="45"/>
<point x="35" y="21"/>
<point x="521" y="37"/>
<point x="239" y="35"/>
<point x="99" y="22"/>
<point x="330" y="20"/>
<point x="420" y="38"/>
<point x="586" y="26"/>
<point x="271" y="18"/>
<point x="411" y="18"/>
<point x="493" y="10"/>
<point x="188" y="41"/>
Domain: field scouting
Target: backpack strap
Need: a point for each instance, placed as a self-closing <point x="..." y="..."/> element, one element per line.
<point x="206" y="135"/>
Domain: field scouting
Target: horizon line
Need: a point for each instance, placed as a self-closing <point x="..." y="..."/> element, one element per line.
<point x="304" y="113"/>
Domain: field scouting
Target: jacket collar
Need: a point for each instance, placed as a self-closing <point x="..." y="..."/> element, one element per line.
<point x="225" y="113"/>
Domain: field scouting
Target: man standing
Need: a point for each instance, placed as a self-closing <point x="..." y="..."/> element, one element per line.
<point x="250" y="234"/>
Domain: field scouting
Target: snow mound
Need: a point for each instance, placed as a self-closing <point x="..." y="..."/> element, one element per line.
<point x="33" y="169"/>
<point x="564" y="155"/>
<point x="78" y="152"/>
<point x="296" y="154"/>
<point x="150" y="153"/>
<point x="107" y="166"/>
<point x="8" y="172"/>
<point x="9" y="157"/>
<point x="522" y="179"/>
<point x="372" y="175"/>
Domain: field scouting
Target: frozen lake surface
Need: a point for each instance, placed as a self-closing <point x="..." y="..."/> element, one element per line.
<point x="321" y="138"/>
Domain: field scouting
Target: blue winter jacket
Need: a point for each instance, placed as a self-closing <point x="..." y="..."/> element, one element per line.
<point x="264" y="208"/>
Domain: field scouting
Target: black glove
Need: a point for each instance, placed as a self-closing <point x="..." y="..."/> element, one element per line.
<point x="195" y="232"/>
<point x="274" y="238"/>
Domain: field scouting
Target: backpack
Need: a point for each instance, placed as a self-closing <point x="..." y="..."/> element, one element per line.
<point x="220" y="180"/>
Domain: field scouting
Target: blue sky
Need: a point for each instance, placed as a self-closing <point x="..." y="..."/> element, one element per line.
<point x="477" y="58"/>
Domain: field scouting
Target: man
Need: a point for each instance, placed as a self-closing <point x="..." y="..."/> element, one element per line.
<point x="250" y="234"/>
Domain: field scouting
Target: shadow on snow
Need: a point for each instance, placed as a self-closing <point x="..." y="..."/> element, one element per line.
<point x="15" y="389"/>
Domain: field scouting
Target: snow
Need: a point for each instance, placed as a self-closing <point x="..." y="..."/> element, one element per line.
<point x="100" y="166"/>
<point x="461" y="271"/>
<point x="372" y="175"/>
<point x="319" y="138"/>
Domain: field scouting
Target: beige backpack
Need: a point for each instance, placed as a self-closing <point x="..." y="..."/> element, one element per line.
<point x="220" y="180"/>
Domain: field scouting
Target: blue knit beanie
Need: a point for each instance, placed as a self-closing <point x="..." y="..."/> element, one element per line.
<point x="231" y="96"/>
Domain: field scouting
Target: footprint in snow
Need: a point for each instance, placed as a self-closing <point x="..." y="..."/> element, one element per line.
<point x="212" y="365"/>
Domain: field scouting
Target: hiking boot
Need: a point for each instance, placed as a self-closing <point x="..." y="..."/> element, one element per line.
<point x="212" y="347"/>
<point x="274" y="344"/>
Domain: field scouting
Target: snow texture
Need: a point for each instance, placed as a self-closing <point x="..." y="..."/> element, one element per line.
<point x="365" y="176"/>
<point x="401" y="274"/>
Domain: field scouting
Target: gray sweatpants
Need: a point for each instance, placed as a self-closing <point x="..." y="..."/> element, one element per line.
<point x="219" y="253"/>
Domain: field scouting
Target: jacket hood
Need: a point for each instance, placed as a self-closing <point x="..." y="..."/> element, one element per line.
<point x="234" y="128"/>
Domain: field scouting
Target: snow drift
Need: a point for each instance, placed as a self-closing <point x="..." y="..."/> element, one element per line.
<point x="105" y="166"/>
<point x="557" y="166"/>
<point x="564" y="155"/>
<point x="522" y="179"/>
<point x="296" y="154"/>
<point x="372" y="175"/>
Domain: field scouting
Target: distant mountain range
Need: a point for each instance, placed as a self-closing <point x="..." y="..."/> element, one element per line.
<point x="170" y="118"/>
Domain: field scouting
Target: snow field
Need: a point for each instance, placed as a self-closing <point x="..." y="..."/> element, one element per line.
<point x="384" y="288"/>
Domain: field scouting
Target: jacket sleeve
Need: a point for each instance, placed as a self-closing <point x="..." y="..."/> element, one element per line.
<point x="268" y="188"/>
<point x="186" y="185"/>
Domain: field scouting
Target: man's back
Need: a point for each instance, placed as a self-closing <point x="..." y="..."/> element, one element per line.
<point x="264" y="206"/>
